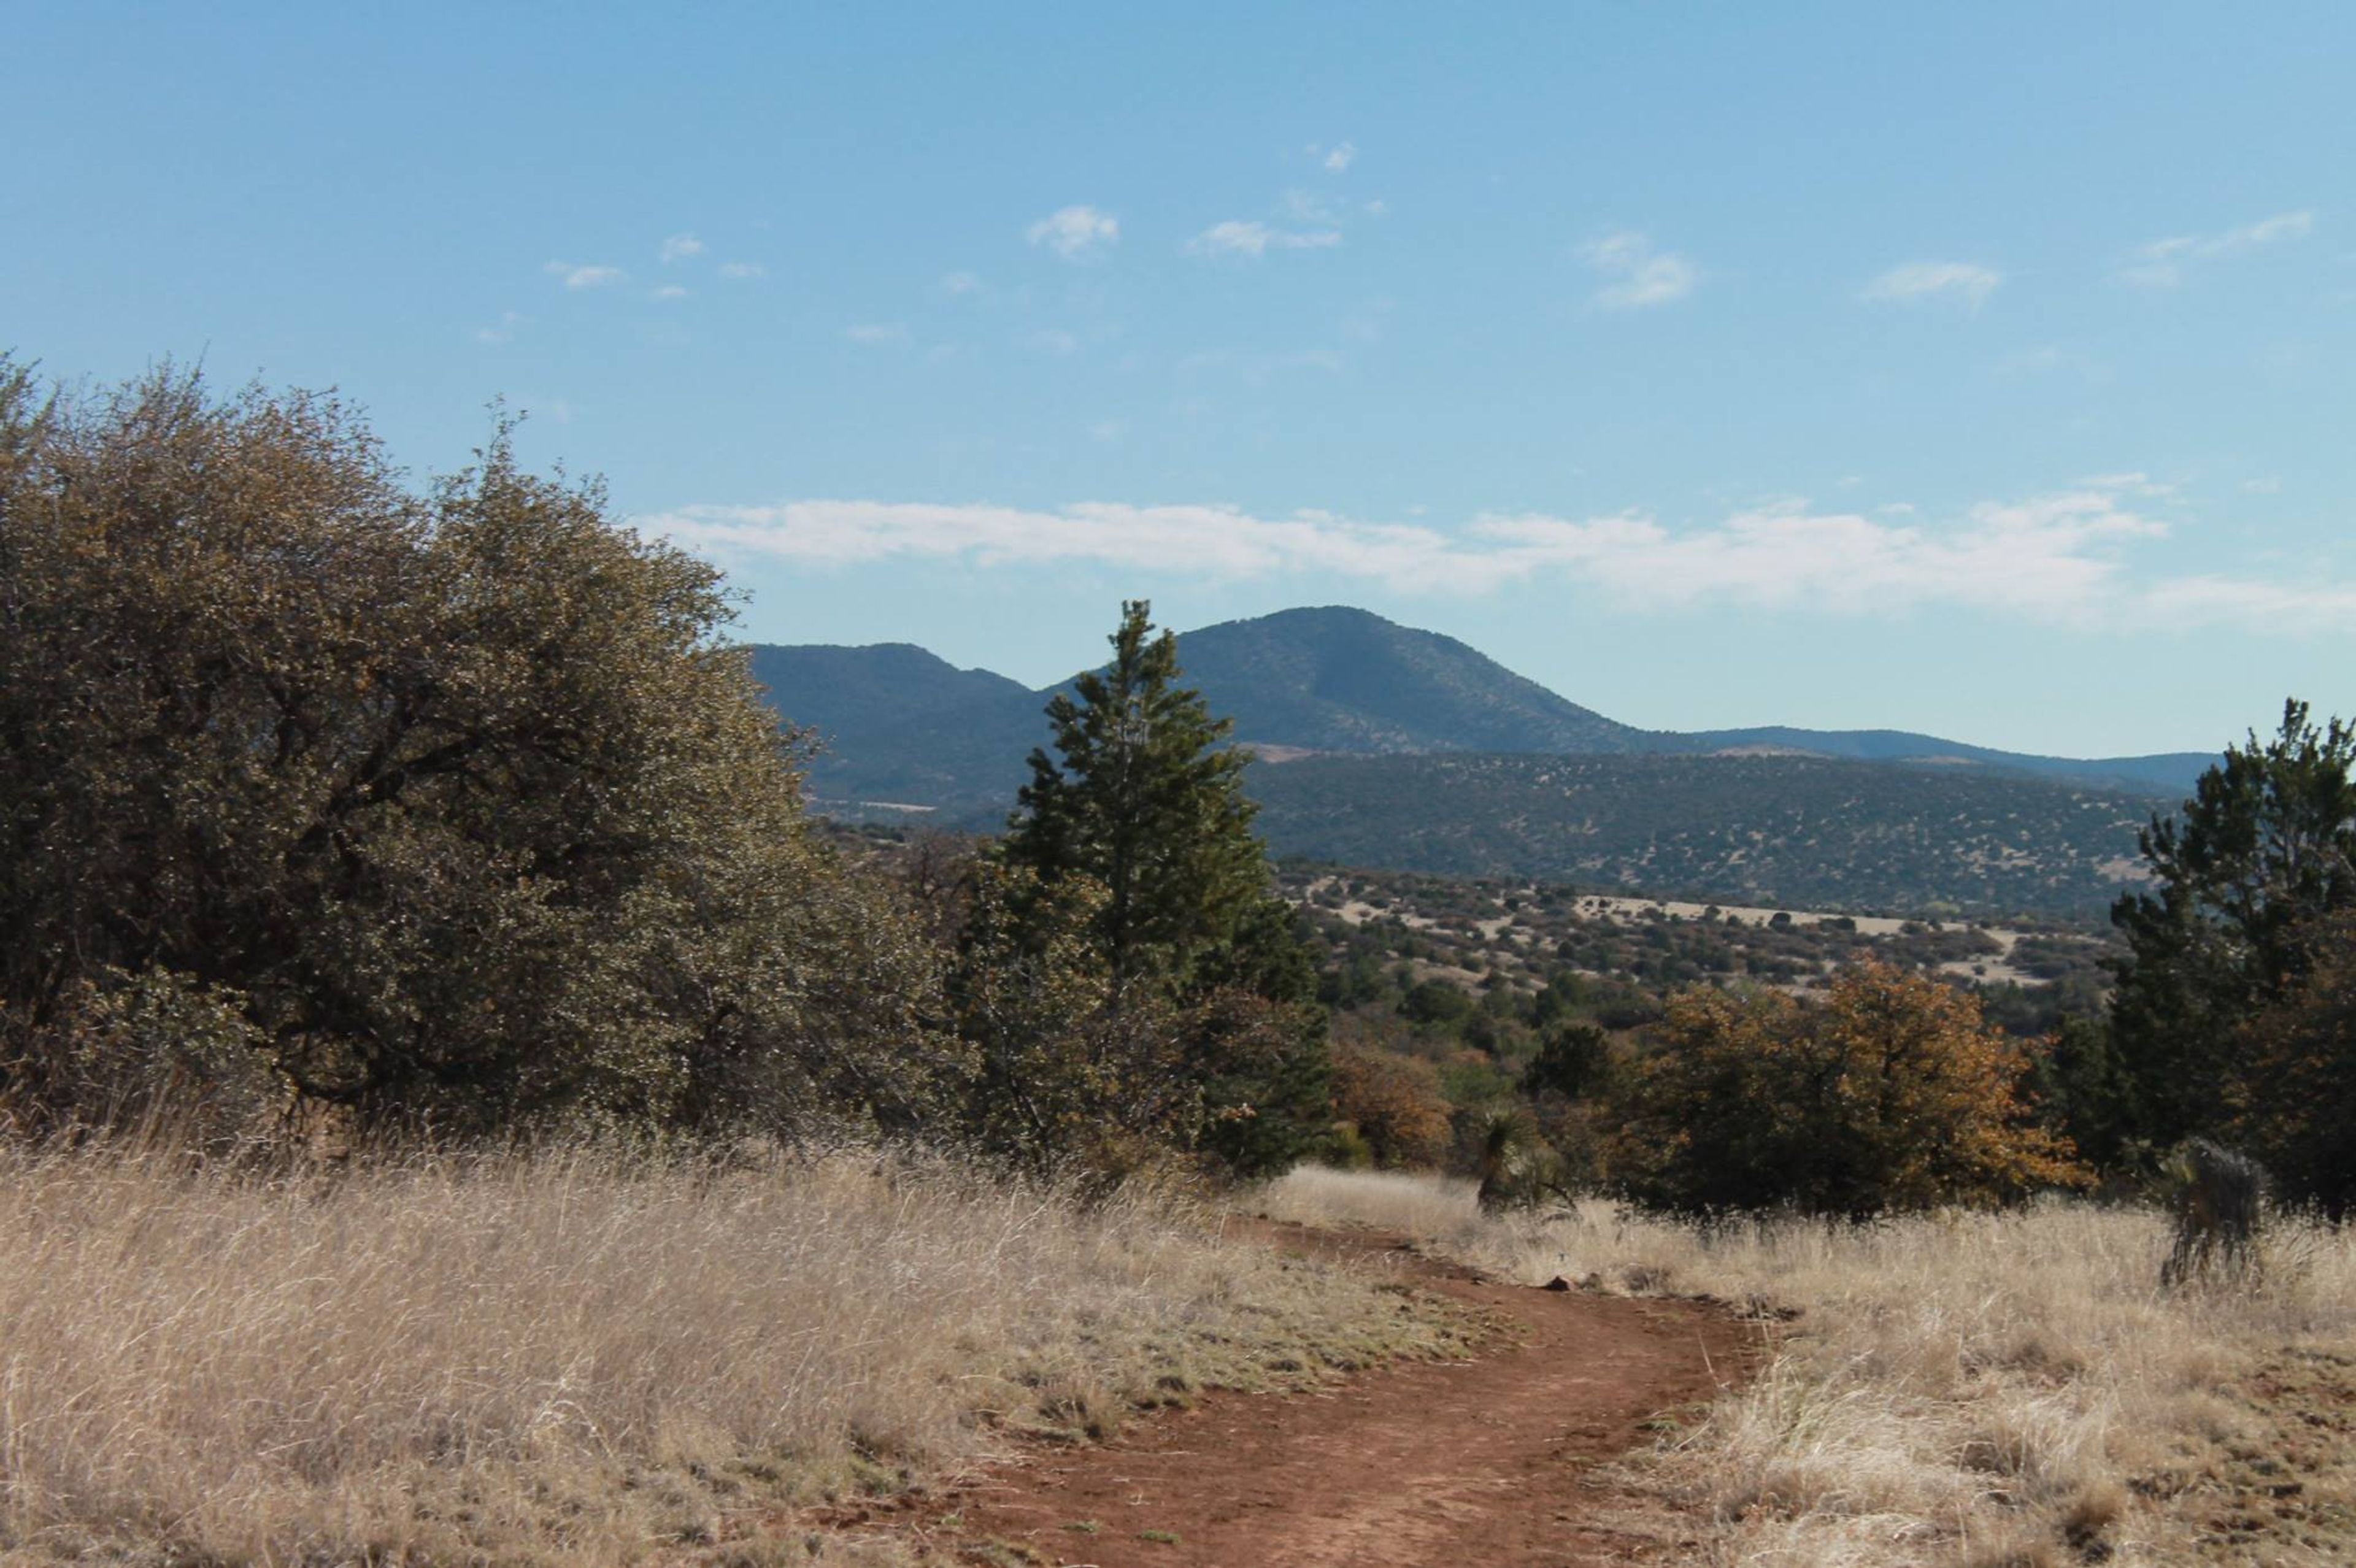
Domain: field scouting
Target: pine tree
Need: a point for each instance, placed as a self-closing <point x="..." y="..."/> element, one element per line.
<point x="2263" y="850"/>
<point x="1143" y="798"/>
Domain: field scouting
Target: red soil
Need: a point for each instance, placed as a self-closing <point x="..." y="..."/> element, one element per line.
<point x="1480" y="1463"/>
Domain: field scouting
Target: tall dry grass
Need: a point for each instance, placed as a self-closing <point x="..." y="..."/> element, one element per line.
<point x="2009" y="1389"/>
<point x="578" y="1356"/>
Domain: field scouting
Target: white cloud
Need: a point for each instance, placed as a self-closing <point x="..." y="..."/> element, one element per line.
<point x="671" y="291"/>
<point x="579" y="276"/>
<point x="1342" y="157"/>
<point x="877" y="333"/>
<point x="2163" y="262"/>
<point x="1918" y="280"/>
<point x="958" y="283"/>
<point x="2063" y="558"/>
<point x="500" y="331"/>
<point x="1241" y="238"/>
<point x="1378" y="208"/>
<point x="1053" y="340"/>
<point x="1075" y="233"/>
<point x="742" y="270"/>
<point x="2133" y="482"/>
<point x="679" y="247"/>
<point x="1108" y="432"/>
<point x="1642" y="275"/>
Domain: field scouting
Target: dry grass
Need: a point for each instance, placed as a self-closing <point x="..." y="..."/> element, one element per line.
<point x="1970" y="1388"/>
<point x="581" y="1358"/>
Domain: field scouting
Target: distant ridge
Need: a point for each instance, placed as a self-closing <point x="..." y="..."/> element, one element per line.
<point x="900" y="724"/>
<point x="1385" y="746"/>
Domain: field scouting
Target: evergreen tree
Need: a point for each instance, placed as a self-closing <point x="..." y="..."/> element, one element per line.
<point x="2264" y="849"/>
<point x="1142" y="798"/>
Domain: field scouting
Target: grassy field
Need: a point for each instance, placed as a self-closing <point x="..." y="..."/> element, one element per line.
<point x="2006" y="1391"/>
<point x="584" y="1357"/>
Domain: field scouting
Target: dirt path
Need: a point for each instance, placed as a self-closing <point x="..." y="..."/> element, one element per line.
<point x="1479" y="1463"/>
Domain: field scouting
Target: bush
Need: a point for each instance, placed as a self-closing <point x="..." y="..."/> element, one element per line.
<point x="451" y="796"/>
<point x="1890" y="1093"/>
<point x="1393" y="1103"/>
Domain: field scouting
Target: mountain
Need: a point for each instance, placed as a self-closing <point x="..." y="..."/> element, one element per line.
<point x="898" y="725"/>
<point x="1811" y="832"/>
<point x="1338" y="680"/>
<point x="903" y="726"/>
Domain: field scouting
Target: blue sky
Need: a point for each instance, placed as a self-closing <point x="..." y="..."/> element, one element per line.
<point x="1984" y="371"/>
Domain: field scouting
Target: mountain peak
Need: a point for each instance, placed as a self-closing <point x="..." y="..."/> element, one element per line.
<point x="1334" y="677"/>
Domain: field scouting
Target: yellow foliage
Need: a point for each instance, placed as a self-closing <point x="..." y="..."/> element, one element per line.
<point x="1889" y="1093"/>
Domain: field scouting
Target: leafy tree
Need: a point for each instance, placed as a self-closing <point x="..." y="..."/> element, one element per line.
<point x="2264" y="849"/>
<point x="1142" y="798"/>
<point x="1888" y="1094"/>
<point x="2295" y="1106"/>
<point x="1572" y="1060"/>
<point x="450" y="797"/>
<point x="2081" y="1090"/>
<point x="1061" y="1080"/>
<point x="1394" y="1103"/>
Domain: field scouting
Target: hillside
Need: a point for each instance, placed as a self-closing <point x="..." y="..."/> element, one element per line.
<point x="2168" y="772"/>
<point x="1767" y="830"/>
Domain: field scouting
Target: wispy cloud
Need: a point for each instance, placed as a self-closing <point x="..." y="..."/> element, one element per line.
<point x="1342" y="157"/>
<point x="1075" y="233"/>
<point x="579" y="275"/>
<point x="1052" y="340"/>
<point x="958" y="284"/>
<point x="500" y="331"/>
<point x="671" y="291"/>
<point x="1307" y="206"/>
<point x="741" y="271"/>
<point x="1640" y="276"/>
<point x="877" y="334"/>
<point x="2164" y="262"/>
<point x="1915" y="282"/>
<point x="2061" y="558"/>
<point x="679" y="247"/>
<point x="1255" y="239"/>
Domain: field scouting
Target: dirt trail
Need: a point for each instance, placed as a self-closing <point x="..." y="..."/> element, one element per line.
<point x="1479" y="1463"/>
